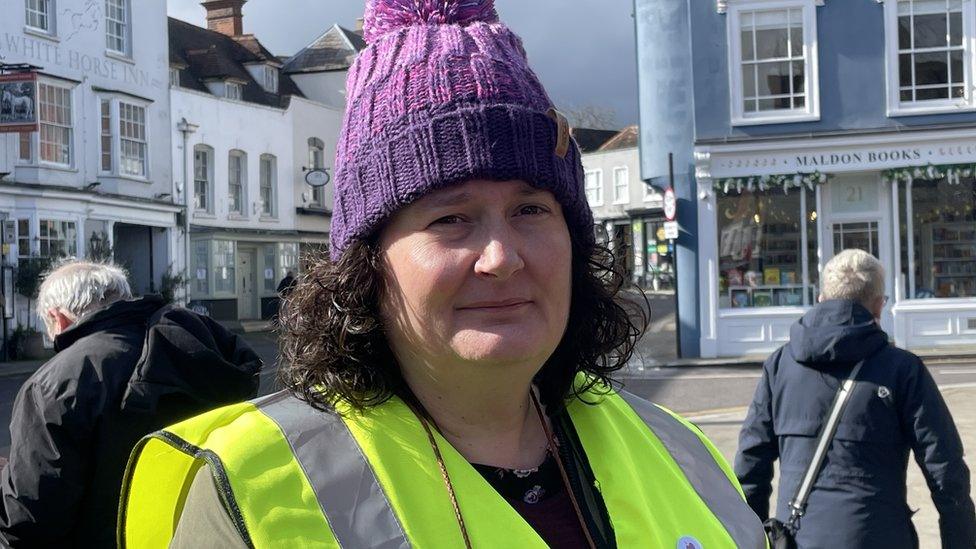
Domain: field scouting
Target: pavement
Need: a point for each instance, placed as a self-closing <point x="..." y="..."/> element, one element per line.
<point x="722" y="427"/>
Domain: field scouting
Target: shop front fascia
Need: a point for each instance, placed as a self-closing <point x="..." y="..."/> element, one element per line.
<point x="780" y="209"/>
<point x="234" y="275"/>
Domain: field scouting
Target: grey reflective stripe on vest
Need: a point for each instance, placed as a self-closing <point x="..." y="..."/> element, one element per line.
<point x="352" y="500"/>
<point x="704" y="474"/>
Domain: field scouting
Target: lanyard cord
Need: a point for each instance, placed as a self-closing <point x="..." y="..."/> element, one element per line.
<point x="562" y="470"/>
<point x="551" y="441"/>
<point x="446" y="478"/>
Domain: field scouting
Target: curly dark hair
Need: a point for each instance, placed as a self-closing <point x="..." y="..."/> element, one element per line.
<point x="334" y="348"/>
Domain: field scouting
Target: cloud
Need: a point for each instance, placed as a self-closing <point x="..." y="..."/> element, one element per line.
<point x="583" y="50"/>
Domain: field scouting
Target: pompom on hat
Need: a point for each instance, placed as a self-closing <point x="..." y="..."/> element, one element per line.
<point x="443" y="94"/>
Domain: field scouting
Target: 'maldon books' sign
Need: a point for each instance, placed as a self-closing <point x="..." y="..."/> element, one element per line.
<point x="18" y="102"/>
<point x="802" y="158"/>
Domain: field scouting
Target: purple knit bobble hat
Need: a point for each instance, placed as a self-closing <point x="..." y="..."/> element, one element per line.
<point x="442" y="95"/>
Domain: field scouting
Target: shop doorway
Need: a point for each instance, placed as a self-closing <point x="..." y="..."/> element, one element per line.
<point x="247" y="297"/>
<point x="861" y="236"/>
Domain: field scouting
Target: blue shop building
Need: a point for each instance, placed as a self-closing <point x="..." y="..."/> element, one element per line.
<point x="802" y="127"/>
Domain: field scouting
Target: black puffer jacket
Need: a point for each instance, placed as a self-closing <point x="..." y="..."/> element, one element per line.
<point x="859" y="499"/>
<point x="120" y="373"/>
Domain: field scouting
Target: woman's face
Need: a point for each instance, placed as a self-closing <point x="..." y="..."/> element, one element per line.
<point x="479" y="272"/>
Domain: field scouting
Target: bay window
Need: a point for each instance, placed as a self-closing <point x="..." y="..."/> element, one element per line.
<point x="56" y="132"/>
<point x="225" y="266"/>
<point x="57" y="238"/>
<point x="132" y="135"/>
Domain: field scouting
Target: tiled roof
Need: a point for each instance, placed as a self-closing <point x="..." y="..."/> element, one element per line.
<point x="626" y="139"/>
<point x="210" y="55"/>
<point x="333" y="51"/>
<point x="590" y="140"/>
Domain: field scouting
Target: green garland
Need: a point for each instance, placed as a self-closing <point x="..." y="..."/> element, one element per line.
<point x="953" y="173"/>
<point x="769" y="182"/>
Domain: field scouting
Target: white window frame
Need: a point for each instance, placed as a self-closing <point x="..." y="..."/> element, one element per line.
<point x="133" y="142"/>
<point x="174" y="77"/>
<point x="892" y="76"/>
<point x="50" y="15"/>
<point x="271" y="78"/>
<point x="269" y="209"/>
<point x="112" y="39"/>
<point x="241" y="211"/>
<point x="119" y="141"/>
<point x="106" y="131"/>
<point x="70" y="127"/>
<point x="71" y="245"/>
<point x="208" y="152"/>
<point x="237" y="95"/>
<point x="625" y="199"/>
<point x="597" y="199"/>
<point x="316" y="161"/>
<point x="811" y="110"/>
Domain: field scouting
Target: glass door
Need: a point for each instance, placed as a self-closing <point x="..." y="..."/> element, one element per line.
<point x="861" y="236"/>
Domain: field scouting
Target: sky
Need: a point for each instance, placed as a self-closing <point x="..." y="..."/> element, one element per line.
<point x="583" y="50"/>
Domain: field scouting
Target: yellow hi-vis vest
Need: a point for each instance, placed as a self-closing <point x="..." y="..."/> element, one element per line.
<point x="292" y="476"/>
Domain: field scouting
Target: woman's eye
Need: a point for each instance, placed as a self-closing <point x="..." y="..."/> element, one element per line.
<point x="532" y="210"/>
<point x="448" y="220"/>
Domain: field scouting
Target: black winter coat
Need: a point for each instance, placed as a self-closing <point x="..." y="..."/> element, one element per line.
<point x="120" y="373"/>
<point x="859" y="499"/>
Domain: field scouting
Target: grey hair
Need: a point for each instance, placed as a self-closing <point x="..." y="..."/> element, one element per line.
<point x="855" y="275"/>
<point x="77" y="287"/>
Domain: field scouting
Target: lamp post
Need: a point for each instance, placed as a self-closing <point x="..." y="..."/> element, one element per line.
<point x="186" y="129"/>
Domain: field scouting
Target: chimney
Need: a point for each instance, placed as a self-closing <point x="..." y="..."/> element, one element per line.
<point x="225" y="16"/>
<point x="360" y="21"/>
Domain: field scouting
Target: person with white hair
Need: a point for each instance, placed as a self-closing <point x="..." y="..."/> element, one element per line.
<point x="124" y="367"/>
<point x="858" y="496"/>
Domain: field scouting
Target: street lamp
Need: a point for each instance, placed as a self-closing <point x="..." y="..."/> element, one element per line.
<point x="186" y="129"/>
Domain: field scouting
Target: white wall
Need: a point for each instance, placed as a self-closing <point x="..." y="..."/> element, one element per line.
<point x="77" y="53"/>
<point x="314" y="120"/>
<point x="606" y="162"/>
<point x="226" y="125"/>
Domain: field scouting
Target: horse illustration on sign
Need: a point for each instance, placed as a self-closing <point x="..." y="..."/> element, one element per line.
<point x="18" y="93"/>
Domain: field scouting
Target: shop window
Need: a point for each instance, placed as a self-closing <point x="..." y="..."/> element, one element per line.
<point x="270" y="282"/>
<point x="56" y="124"/>
<point x="201" y="267"/>
<point x="938" y="238"/>
<point x="225" y="267"/>
<point x="57" y="239"/>
<point x="929" y="58"/>
<point x="762" y="261"/>
<point x="594" y="187"/>
<point x="236" y="184"/>
<point x="287" y="258"/>
<point x="660" y="258"/>
<point x="203" y="178"/>
<point x="316" y="161"/>
<point x="269" y="169"/>
<point x="773" y="52"/>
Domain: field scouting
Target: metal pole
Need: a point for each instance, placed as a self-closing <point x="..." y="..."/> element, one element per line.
<point x="674" y="263"/>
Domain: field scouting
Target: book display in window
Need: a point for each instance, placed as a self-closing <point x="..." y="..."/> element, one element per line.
<point x="950" y="250"/>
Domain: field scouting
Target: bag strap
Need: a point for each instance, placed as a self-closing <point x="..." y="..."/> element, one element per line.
<point x="799" y="502"/>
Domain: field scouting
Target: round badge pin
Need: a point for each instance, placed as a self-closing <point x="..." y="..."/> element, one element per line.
<point x="689" y="542"/>
<point x="884" y="392"/>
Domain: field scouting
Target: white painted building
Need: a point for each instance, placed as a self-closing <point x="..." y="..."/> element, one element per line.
<point x="244" y="135"/>
<point x="100" y="167"/>
<point x="628" y="213"/>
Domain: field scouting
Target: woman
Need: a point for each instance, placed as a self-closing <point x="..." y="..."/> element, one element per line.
<point x="448" y="364"/>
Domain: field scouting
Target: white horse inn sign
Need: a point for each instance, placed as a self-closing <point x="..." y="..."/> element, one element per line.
<point x="18" y="102"/>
